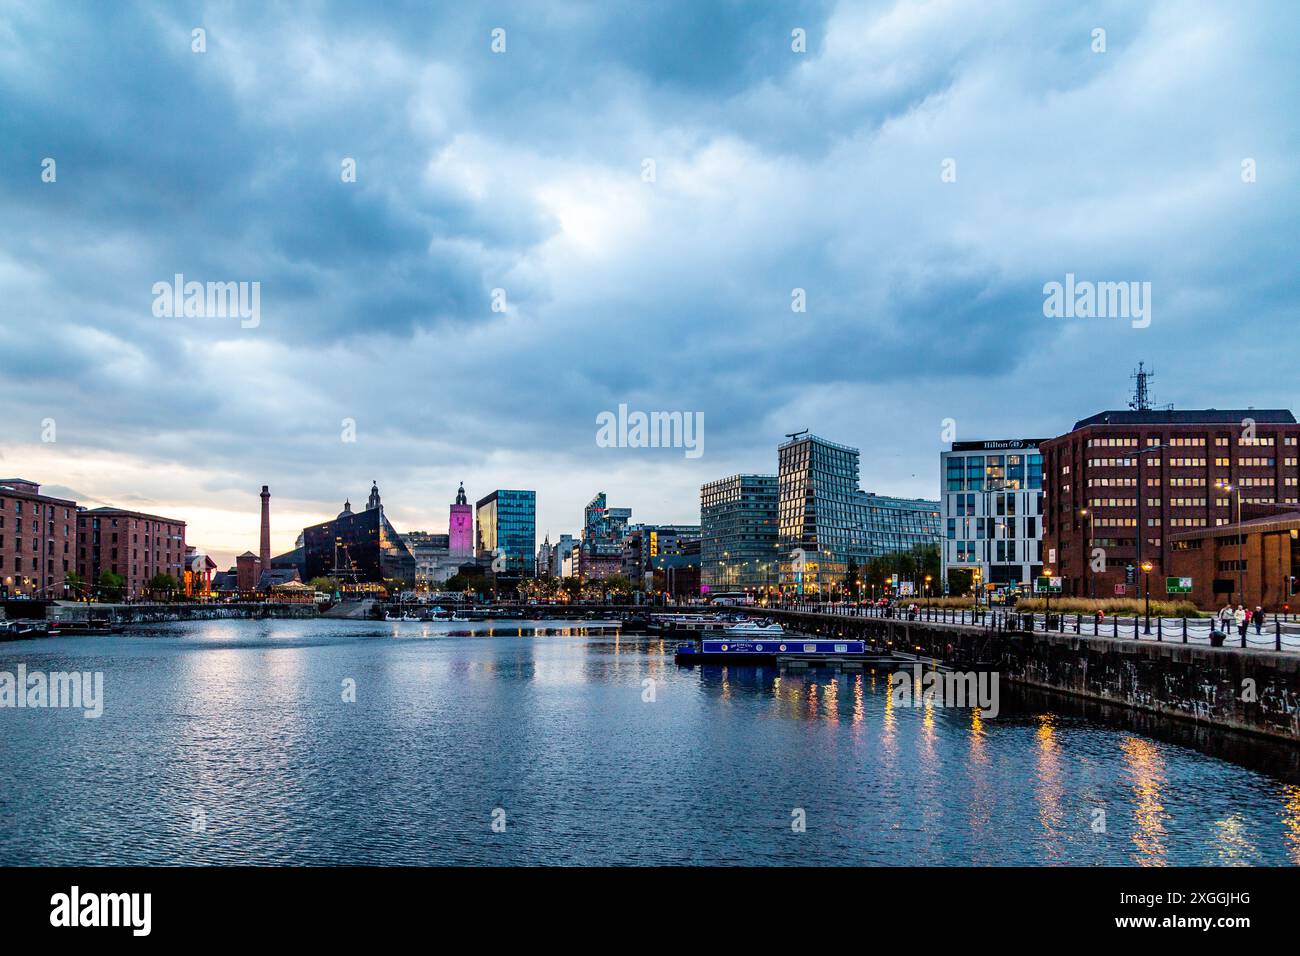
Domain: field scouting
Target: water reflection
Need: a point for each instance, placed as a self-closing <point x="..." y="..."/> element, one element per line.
<point x="1147" y="779"/>
<point x="246" y="718"/>
<point x="1050" y="790"/>
<point x="1291" y="820"/>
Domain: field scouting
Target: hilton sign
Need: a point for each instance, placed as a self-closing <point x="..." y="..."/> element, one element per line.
<point x="1010" y="444"/>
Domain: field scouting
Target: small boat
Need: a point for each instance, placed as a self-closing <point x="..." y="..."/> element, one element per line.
<point x="24" y="630"/>
<point x="810" y="649"/>
<point x="755" y="629"/>
<point x="457" y="617"/>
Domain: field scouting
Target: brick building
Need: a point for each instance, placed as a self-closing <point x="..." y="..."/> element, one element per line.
<point x="36" y="540"/>
<point x="1121" y="483"/>
<point x="248" y="571"/>
<point x="131" y="544"/>
<point x="1253" y="562"/>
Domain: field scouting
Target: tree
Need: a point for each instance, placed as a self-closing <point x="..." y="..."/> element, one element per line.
<point x="322" y="583"/>
<point x="163" y="584"/>
<point x="75" y="584"/>
<point x="618" y="584"/>
<point x="462" y="582"/>
<point x="111" y="585"/>
<point x="961" y="580"/>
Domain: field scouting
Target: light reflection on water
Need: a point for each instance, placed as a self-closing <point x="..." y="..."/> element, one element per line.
<point x="245" y="721"/>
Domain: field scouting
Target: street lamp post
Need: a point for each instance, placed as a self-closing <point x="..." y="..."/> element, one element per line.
<point x="1047" y="573"/>
<point x="1241" y="557"/>
<point x="1087" y="559"/>
<point x="1146" y="572"/>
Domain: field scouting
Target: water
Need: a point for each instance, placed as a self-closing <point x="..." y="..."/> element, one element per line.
<point x="240" y="725"/>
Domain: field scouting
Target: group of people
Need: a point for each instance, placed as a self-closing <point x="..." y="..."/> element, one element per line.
<point x="1240" y="618"/>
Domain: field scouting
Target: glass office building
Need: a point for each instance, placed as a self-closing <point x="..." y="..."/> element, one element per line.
<point x="993" y="509"/>
<point x="357" y="547"/>
<point x="898" y="524"/>
<point x="825" y="520"/>
<point x="506" y="528"/>
<point x="738" y="533"/>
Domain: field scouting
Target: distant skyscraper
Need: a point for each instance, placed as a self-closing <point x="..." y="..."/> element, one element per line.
<point x="507" y="532"/>
<point x="603" y="531"/>
<point x="460" y="526"/>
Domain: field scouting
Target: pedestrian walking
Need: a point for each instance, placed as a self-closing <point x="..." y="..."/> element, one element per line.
<point x="1240" y="617"/>
<point x="1257" y="618"/>
<point x="1225" y="618"/>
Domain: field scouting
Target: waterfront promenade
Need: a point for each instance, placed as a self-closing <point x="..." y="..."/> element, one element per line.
<point x="1282" y="633"/>
<point x="1253" y="690"/>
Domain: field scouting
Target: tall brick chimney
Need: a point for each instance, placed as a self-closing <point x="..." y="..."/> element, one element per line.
<point x="266" y="529"/>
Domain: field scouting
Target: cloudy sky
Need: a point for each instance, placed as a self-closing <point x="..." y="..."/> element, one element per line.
<point x="647" y="184"/>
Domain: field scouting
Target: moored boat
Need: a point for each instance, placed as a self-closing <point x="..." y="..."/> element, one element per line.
<point x="757" y="650"/>
<point x="763" y="628"/>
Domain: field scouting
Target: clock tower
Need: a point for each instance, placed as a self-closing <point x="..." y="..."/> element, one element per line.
<point x="460" y="527"/>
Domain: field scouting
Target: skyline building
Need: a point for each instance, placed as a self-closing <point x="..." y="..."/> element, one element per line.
<point x="825" y="520"/>
<point x="992" y="507"/>
<point x="600" y="553"/>
<point x="1119" y="484"/>
<point x="37" y="535"/>
<point x="506" y="532"/>
<point x="358" y="547"/>
<point x="894" y="525"/>
<point x="738" y="533"/>
<point x="460" y="527"/>
<point x="131" y="544"/>
<point x="818" y="518"/>
<point x="439" y="556"/>
<point x="561" y="552"/>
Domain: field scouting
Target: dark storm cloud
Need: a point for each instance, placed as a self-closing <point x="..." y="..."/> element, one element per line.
<point x="523" y="172"/>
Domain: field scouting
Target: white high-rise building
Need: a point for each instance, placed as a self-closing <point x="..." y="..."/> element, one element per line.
<point x="992" y="500"/>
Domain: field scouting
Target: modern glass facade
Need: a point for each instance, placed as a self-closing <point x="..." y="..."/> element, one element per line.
<point x="507" y="520"/>
<point x="826" y="520"/>
<point x="357" y="547"/>
<point x="992" y="509"/>
<point x="603" y="523"/>
<point x="898" y="524"/>
<point x="738" y="533"/>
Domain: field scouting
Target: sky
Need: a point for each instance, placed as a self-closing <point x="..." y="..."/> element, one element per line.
<point x="618" y="203"/>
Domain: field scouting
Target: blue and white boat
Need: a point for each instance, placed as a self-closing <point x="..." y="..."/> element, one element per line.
<point x="755" y="629"/>
<point x="757" y="650"/>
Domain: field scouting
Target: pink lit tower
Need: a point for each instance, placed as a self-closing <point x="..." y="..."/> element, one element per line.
<point x="265" y="552"/>
<point x="460" y="527"/>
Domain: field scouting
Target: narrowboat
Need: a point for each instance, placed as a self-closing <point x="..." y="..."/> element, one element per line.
<point x="760" y="650"/>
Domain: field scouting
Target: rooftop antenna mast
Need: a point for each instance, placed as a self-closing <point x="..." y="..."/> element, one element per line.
<point x="1141" y="401"/>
